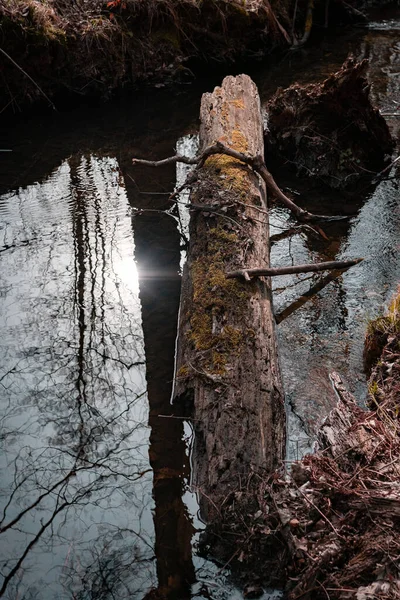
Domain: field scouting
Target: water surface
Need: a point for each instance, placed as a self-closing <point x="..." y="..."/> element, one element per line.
<point x="96" y="499"/>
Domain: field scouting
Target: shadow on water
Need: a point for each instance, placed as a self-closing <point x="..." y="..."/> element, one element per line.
<point x="96" y="499"/>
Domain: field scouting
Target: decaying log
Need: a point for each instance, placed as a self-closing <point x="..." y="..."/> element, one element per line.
<point x="227" y="368"/>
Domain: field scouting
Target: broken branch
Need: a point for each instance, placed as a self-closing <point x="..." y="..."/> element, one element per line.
<point x="257" y="164"/>
<point x="29" y="77"/>
<point x="166" y="161"/>
<point x="324" y="266"/>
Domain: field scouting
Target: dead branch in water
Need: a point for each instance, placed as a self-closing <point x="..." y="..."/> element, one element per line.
<point x="313" y="268"/>
<point x="306" y="297"/>
<point x="256" y="163"/>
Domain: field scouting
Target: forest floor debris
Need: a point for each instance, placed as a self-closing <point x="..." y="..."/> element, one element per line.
<point x="331" y="528"/>
<point x="95" y="47"/>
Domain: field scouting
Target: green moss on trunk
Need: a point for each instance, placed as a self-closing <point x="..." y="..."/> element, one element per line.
<point x="214" y="296"/>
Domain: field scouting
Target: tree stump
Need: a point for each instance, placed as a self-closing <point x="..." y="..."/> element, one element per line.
<point x="227" y="369"/>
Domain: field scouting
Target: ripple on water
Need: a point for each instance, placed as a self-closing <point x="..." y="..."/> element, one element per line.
<point x="74" y="390"/>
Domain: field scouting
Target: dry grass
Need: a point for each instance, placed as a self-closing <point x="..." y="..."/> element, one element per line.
<point x="95" y="46"/>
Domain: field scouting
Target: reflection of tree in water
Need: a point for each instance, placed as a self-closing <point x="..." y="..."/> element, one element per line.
<point x="76" y="500"/>
<point x="112" y="564"/>
<point x="157" y="251"/>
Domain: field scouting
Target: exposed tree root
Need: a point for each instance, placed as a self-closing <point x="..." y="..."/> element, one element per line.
<point x="330" y="131"/>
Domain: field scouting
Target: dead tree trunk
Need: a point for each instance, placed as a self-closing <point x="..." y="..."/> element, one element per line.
<point x="227" y="365"/>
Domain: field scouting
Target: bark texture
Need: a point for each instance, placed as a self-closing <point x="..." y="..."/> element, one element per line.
<point x="227" y="366"/>
<point x="332" y="529"/>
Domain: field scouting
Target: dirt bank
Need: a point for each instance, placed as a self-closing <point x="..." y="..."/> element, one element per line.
<point x="94" y="47"/>
<point x="330" y="131"/>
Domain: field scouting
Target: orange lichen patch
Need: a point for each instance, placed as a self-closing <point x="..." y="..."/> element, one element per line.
<point x="234" y="174"/>
<point x="226" y="111"/>
<point x="238" y="103"/>
<point x="239" y="141"/>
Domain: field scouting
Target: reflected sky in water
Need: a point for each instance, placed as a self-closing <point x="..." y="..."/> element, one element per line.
<point x="95" y="498"/>
<point x="89" y="289"/>
<point x="76" y="496"/>
<point x="327" y="332"/>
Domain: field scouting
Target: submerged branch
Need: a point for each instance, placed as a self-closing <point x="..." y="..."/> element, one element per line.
<point x="306" y="297"/>
<point x="386" y="170"/>
<point x="29" y="77"/>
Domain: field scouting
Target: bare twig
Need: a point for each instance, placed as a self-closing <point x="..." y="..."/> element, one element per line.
<point x="257" y="164"/>
<point x="311" y="503"/>
<point x="29" y="77"/>
<point x="304" y="298"/>
<point x="166" y="161"/>
<point x="199" y="490"/>
<point x="211" y="209"/>
<point x="312" y="268"/>
<point x="386" y="169"/>
<point x="354" y="11"/>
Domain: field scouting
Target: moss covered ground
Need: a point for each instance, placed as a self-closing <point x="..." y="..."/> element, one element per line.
<point x="382" y="357"/>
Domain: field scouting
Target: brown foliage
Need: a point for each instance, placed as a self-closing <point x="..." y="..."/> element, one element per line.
<point x="332" y="529"/>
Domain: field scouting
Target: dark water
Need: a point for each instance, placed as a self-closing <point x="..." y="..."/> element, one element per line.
<point x="95" y="471"/>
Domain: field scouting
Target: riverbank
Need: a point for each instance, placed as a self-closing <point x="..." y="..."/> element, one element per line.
<point x="330" y="528"/>
<point x="56" y="50"/>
